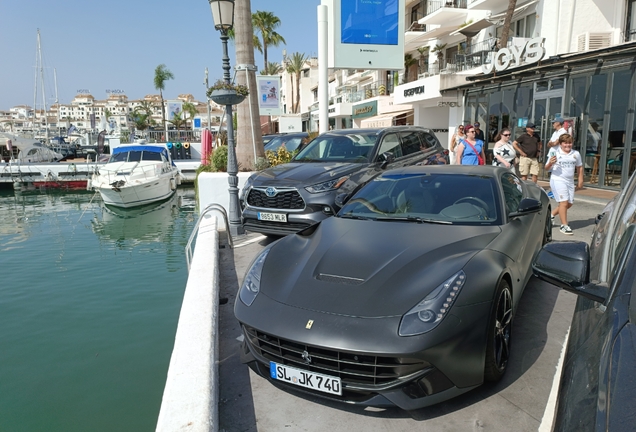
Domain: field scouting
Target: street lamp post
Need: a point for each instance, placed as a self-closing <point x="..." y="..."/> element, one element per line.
<point x="223" y="15"/>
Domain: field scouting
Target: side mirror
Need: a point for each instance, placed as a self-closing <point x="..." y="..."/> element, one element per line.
<point x="341" y="199"/>
<point x="527" y="206"/>
<point x="386" y="158"/>
<point x="567" y="265"/>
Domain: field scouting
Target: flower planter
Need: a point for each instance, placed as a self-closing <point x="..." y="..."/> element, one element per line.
<point x="226" y="97"/>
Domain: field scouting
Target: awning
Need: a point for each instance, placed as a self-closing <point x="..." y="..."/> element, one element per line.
<point x="473" y="28"/>
<point x="384" y="120"/>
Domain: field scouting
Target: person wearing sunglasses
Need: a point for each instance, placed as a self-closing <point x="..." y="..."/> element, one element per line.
<point x="455" y="140"/>
<point x="470" y="150"/>
<point x="503" y="151"/>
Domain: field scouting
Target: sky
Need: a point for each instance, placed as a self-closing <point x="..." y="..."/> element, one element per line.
<point x="116" y="45"/>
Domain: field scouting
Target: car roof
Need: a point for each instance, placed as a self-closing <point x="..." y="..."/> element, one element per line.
<point x="484" y="170"/>
<point x="375" y="130"/>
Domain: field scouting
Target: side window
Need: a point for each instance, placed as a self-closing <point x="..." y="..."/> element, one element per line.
<point x="623" y="231"/>
<point x="513" y="191"/>
<point x="391" y="143"/>
<point x="410" y="143"/>
<point x="427" y="139"/>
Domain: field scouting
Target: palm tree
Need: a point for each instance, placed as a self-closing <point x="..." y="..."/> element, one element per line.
<point x="408" y="62"/>
<point x="249" y="141"/>
<point x="422" y="66"/>
<point x="272" y="69"/>
<point x="162" y="74"/>
<point x="178" y="119"/>
<point x="503" y="42"/>
<point x="295" y="67"/>
<point x="190" y="109"/>
<point x="266" y="23"/>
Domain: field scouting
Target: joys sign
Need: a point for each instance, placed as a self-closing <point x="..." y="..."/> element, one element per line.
<point x="531" y="52"/>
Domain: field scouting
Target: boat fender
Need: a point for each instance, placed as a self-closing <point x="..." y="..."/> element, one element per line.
<point x="173" y="184"/>
<point x="186" y="145"/>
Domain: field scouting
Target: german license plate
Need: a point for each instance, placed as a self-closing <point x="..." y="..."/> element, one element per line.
<point x="274" y="217"/>
<point x="302" y="378"/>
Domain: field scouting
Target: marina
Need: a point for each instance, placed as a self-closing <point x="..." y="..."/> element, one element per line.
<point x="89" y="301"/>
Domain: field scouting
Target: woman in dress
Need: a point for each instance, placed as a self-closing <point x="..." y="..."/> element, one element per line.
<point x="503" y="151"/>
<point x="470" y="150"/>
<point x="455" y="139"/>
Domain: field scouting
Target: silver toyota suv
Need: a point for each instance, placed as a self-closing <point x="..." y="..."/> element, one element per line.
<point x="288" y="198"/>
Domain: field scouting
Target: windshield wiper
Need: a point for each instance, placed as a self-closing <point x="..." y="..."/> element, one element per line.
<point x="414" y="219"/>
<point x="352" y="216"/>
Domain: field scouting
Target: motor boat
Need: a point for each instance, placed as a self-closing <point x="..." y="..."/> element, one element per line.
<point x="135" y="175"/>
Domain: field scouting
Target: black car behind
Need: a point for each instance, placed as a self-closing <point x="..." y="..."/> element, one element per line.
<point x="288" y="198"/>
<point x="598" y="383"/>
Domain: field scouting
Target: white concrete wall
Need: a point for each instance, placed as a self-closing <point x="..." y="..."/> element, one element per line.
<point x="190" y="398"/>
<point x="433" y="118"/>
<point x="214" y="188"/>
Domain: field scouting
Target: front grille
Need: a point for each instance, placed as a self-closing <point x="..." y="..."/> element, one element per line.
<point x="289" y="200"/>
<point x="353" y="369"/>
<point x="274" y="227"/>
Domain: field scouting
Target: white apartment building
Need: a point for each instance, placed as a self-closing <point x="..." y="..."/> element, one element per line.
<point x="570" y="59"/>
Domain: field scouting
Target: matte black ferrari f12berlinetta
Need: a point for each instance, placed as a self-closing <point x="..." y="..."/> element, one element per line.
<point x="406" y="297"/>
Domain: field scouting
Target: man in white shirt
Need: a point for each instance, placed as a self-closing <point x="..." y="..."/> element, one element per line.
<point x="558" y="131"/>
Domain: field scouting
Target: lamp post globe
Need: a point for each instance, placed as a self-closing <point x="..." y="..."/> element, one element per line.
<point x="223" y="16"/>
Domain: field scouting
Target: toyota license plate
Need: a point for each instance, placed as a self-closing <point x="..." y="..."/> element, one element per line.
<point x="302" y="378"/>
<point x="274" y="217"/>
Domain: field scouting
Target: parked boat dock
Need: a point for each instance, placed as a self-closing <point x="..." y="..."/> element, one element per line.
<point x="75" y="174"/>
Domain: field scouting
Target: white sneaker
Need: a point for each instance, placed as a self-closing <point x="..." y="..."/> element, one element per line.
<point x="565" y="229"/>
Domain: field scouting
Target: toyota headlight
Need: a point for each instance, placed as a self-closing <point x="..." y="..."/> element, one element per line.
<point x="428" y="313"/>
<point x="327" y="186"/>
<point x="252" y="282"/>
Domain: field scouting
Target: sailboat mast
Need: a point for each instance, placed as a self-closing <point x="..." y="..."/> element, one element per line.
<point x="35" y="84"/>
<point x="46" y="122"/>
<point x="57" y="103"/>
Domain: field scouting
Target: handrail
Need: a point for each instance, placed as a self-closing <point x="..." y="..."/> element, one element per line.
<point x="210" y="207"/>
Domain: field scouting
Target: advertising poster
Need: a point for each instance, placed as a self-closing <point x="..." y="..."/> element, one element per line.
<point x="174" y="107"/>
<point x="268" y="94"/>
<point x="365" y="34"/>
<point x="369" y="22"/>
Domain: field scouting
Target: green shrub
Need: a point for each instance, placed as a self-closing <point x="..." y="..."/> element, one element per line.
<point x="219" y="159"/>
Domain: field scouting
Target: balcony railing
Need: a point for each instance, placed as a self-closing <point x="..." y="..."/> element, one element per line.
<point x="435" y="5"/>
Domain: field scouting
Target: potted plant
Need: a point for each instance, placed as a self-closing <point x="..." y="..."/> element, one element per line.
<point x="224" y="93"/>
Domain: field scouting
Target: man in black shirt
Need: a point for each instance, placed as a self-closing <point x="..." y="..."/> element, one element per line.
<point x="528" y="145"/>
<point x="479" y="134"/>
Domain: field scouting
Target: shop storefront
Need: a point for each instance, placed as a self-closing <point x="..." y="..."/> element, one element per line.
<point x="431" y="109"/>
<point x="593" y="92"/>
<point x="380" y="113"/>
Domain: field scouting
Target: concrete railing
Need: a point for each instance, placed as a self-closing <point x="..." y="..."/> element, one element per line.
<point x="190" y="397"/>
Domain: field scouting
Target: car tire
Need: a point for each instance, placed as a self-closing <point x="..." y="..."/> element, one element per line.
<point x="547" y="231"/>
<point x="499" y="334"/>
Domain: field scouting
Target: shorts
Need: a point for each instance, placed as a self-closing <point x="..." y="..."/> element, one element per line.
<point x="562" y="190"/>
<point x="528" y="166"/>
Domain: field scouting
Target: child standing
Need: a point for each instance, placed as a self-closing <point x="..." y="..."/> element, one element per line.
<point x="564" y="162"/>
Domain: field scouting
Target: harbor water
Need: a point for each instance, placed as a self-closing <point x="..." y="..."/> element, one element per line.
<point x="89" y="303"/>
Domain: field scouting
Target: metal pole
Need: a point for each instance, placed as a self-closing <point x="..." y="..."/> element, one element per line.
<point x="207" y="99"/>
<point x="323" y="71"/>
<point x="236" y="227"/>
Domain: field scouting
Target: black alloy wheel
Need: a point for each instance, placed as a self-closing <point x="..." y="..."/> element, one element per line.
<point x="499" y="331"/>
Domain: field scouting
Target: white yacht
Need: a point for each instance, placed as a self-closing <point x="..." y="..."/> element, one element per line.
<point x="136" y="174"/>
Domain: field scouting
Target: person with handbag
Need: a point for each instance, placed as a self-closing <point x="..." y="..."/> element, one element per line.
<point x="503" y="151"/>
<point x="470" y="150"/>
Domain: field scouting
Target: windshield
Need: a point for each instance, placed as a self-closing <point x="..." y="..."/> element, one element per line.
<point x="290" y="144"/>
<point x="339" y="148"/>
<point x="427" y="198"/>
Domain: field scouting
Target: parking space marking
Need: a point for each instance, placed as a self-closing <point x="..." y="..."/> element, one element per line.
<point x="548" y="415"/>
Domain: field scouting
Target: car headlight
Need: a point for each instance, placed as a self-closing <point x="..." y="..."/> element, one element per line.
<point x="327" y="186"/>
<point x="428" y="313"/>
<point x="252" y="282"/>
